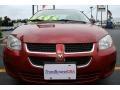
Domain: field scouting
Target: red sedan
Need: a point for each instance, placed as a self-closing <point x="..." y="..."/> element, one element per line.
<point x="59" y="46"/>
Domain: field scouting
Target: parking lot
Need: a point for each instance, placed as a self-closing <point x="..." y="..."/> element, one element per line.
<point x="114" y="79"/>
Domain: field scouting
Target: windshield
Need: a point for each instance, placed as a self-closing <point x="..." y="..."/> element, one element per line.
<point x="57" y="15"/>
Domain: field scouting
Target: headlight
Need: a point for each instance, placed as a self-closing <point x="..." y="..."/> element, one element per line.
<point x="13" y="43"/>
<point x="105" y="42"/>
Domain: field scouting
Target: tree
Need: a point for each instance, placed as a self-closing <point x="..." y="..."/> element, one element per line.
<point x="0" y="21"/>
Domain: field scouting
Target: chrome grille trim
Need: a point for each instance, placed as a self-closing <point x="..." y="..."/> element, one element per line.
<point x="41" y="47"/>
<point x="38" y="52"/>
<point x="83" y="52"/>
<point x="33" y="64"/>
<point x="81" y="66"/>
<point x="64" y="51"/>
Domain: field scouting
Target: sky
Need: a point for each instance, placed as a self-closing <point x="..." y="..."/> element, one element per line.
<point x="23" y="12"/>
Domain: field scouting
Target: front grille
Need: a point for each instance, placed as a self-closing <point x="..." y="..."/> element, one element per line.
<point x="69" y="48"/>
<point x="41" y="47"/>
<point x="83" y="47"/>
<point x="39" y="61"/>
<point x="78" y="60"/>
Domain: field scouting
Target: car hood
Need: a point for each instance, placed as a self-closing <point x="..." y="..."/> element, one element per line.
<point x="59" y="33"/>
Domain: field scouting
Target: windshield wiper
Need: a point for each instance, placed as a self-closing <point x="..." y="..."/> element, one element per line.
<point x="36" y="20"/>
<point x="67" y="20"/>
<point x="63" y="20"/>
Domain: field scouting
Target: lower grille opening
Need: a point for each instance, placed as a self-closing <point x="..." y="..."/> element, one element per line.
<point x="79" y="60"/>
<point x="39" y="61"/>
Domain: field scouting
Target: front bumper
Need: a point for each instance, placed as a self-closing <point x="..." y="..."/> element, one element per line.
<point x="102" y="64"/>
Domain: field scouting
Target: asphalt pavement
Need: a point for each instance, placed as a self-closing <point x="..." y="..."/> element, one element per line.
<point x="116" y="39"/>
<point x="114" y="79"/>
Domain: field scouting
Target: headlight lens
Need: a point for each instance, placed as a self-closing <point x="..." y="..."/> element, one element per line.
<point x="105" y="42"/>
<point x="13" y="43"/>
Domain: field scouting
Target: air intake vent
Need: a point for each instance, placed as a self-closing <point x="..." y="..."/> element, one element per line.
<point x="41" y="47"/>
<point x="39" y="61"/>
<point x="83" y="47"/>
<point x="78" y="60"/>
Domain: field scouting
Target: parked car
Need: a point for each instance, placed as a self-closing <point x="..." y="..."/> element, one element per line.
<point x="59" y="46"/>
<point x="110" y="24"/>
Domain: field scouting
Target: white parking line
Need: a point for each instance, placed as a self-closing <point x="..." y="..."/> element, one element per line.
<point x="117" y="68"/>
<point x="2" y="70"/>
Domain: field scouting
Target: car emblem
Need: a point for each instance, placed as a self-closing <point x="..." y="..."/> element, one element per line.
<point x="60" y="56"/>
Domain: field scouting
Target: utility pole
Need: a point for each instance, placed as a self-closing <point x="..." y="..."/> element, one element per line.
<point x="91" y="11"/>
<point x="107" y="12"/>
<point x="53" y="7"/>
<point x="33" y="10"/>
<point x="101" y="18"/>
<point x="96" y="12"/>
